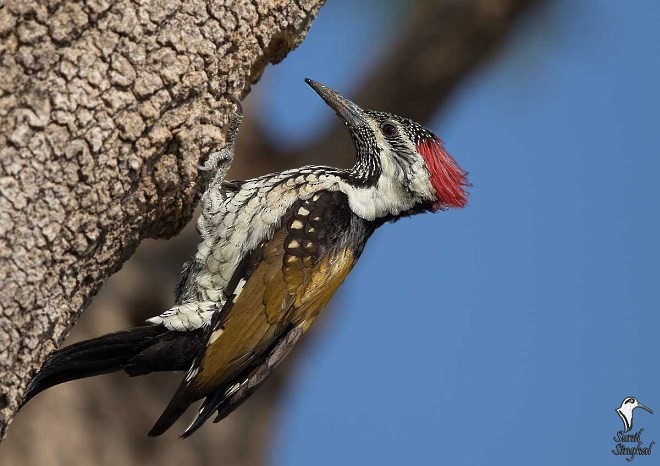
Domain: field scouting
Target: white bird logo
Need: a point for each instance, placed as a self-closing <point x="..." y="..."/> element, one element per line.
<point x="625" y="411"/>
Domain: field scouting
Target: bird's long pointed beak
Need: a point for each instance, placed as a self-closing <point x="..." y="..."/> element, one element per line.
<point x="346" y="110"/>
<point x="646" y="408"/>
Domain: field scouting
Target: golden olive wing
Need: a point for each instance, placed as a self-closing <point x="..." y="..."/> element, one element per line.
<point x="310" y="297"/>
<point x="277" y="292"/>
<point x="298" y="273"/>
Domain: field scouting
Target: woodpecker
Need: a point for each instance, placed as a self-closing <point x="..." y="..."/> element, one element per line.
<point x="625" y="411"/>
<point x="273" y="251"/>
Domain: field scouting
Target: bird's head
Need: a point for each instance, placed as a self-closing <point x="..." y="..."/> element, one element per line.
<point x="630" y="403"/>
<point x="401" y="166"/>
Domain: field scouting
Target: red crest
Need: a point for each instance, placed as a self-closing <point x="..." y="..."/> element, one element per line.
<point x="447" y="178"/>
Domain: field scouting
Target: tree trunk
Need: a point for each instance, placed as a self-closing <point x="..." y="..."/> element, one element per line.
<point x="106" y="108"/>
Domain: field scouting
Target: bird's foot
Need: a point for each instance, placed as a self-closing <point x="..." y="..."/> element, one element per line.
<point x="224" y="156"/>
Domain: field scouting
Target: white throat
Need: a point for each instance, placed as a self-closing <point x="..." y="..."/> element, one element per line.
<point x="393" y="193"/>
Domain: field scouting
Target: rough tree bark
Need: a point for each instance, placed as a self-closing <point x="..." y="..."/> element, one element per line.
<point x="106" y="107"/>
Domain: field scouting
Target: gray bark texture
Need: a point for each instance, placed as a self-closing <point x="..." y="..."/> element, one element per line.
<point x="106" y="108"/>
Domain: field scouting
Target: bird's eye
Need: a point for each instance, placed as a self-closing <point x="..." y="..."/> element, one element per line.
<point x="389" y="130"/>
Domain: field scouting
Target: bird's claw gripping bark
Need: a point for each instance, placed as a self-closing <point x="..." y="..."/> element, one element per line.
<point x="224" y="156"/>
<point x="235" y="120"/>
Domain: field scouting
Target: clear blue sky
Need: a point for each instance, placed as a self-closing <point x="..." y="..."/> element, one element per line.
<point x="506" y="333"/>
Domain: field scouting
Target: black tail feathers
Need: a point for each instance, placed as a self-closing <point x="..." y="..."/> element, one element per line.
<point x="174" y="410"/>
<point x="210" y="405"/>
<point x="137" y="351"/>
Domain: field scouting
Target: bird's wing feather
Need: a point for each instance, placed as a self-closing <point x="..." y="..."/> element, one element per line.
<point x="302" y="307"/>
<point x="225" y="400"/>
<point x="235" y="220"/>
<point x="284" y="286"/>
<point x="298" y="271"/>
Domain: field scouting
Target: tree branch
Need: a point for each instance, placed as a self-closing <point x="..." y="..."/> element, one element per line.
<point x="441" y="42"/>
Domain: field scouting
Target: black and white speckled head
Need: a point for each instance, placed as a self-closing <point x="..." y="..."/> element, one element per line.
<point x="401" y="166"/>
